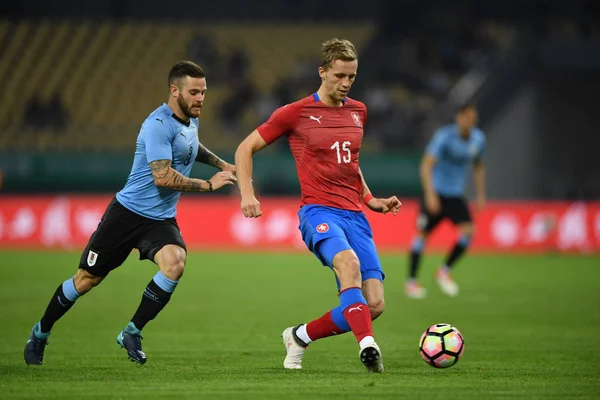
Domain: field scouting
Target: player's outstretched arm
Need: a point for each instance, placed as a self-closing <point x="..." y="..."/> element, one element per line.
<point x="205" y="156"/>
<point x="169" y="178"/>
<point x="432" y="201"/>
<point x="243" y="164"/>
<point x="378" y="205"/>
<point x="479" y="176"/>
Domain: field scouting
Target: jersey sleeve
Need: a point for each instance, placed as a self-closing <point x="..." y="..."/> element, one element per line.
<point x="436" y="144"/>
<point x="281" y="122"/>
<point x="364" y="114"/>
<point x="157" y="140"/>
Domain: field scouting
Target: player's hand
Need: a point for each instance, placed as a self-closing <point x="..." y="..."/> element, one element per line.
<point x="385" y="205"/>
<point x="481" y="200"/>
<point x="221" y="179"/>
<point x="229" y="168"/>
<point x="432" y="202"/>
<point x="251" y="207"/>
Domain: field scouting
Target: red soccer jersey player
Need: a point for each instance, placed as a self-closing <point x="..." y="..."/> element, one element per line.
<point x="325" y="133"/>
<point x="325" y="142"/>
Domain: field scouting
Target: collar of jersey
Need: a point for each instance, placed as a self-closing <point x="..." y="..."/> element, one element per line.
<point x="318" y="99"/>
<point x="182" y="122"/>
<point x="175" y="117"/>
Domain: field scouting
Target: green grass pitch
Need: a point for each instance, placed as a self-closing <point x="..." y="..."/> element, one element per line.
<point x="531" y="326"/>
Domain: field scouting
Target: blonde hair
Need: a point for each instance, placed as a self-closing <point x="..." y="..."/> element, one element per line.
<point x="337" y="49"/>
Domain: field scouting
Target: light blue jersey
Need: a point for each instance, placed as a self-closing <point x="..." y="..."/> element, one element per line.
<point x="454" y="156"/>
<point x="163" y="137"/>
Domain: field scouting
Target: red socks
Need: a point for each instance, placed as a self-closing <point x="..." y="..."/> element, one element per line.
<point x="322" y="327"/>
<point x="358" y="316"/>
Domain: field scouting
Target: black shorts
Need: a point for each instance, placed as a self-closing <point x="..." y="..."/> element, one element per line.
<point x="455" y="209"/>
<point x="120" y="231"/>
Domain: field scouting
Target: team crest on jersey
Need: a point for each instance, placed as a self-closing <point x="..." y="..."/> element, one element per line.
<point x="356" y="118"/>
<point x="322" y="228"/>
<point x="92" y="257"/>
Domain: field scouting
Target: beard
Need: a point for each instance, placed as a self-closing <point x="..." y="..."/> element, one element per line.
<point x="185" y="109"/>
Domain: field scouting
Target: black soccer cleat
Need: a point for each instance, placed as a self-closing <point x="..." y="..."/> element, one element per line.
<point x="133" y="344"/>
<point x="34" y="350"/>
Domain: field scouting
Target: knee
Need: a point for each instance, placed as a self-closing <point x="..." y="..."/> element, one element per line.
<point x="467" y="231"/>
<point x="174" y="263"/>
<point x="347" y="268"/>
<point x="84" y="281"/>
<point x="353" y="267"/>
<point x="377" y="308"/>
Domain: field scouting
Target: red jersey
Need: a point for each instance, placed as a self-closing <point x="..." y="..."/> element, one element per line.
<point x="325" y="142"/>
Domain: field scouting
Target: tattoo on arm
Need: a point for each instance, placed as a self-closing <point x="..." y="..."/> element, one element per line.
<point x="167" y="177"/>
<point x="206" y="156"/>
<point x="160" y="168"/>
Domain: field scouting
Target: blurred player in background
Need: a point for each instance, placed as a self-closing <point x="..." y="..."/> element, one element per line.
<point x="325" y="132"/>
<point x="142" y="215"/>
<point x="444" y="170"/>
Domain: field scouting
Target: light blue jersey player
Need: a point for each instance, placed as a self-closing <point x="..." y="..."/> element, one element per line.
<point x="164" y="136"/>
<point x="448" y="159"/>
<point x="142" y="215"/>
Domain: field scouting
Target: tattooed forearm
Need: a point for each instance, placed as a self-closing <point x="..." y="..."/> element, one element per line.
<point x="166" y="177"/>
<point x="160" y="168"/>
<point x="206" y="156"/>
<point x="180" y="183"/>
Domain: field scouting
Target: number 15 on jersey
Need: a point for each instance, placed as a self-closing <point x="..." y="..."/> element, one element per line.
<point x="344" y="148"/>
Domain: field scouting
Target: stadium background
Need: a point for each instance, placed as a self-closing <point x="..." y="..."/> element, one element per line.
<point x="76" y="82"/>
<point x="78" y="78"/>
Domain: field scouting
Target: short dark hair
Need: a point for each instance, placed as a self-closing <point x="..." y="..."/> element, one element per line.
<point x="464" y="107"/>
<point x="183" y="69"/>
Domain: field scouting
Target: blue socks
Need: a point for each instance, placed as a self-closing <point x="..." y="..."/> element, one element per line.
<point x="62" y="300"/>
<point x="165" y="283"/>
<point x="69" y="290"/>
<point x="351" y="296"/>
<point x="459" y="248"/>
<point x="37" y="331"/>
<point x="156" y="296"/>
<point x="131" y="329"/>
<point x="417" y="245"/>
<point x="415" y="256"/>
<point x="337" y="315"/>
<point x="464" y="240"/>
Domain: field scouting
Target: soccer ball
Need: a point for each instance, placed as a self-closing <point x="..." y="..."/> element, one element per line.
<point x="441" y="345"/>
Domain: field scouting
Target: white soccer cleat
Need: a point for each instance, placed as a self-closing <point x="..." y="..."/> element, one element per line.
<point x="414" y="290"/>
<point x="293" y="358"/>
<point x="371" y="357"/>
<point x="447" y="284"/>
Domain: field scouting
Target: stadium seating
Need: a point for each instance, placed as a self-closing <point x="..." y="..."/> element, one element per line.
<point x="107" y="76"/>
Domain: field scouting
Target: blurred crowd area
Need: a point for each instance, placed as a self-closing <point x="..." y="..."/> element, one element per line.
<point x="87" y="85"/>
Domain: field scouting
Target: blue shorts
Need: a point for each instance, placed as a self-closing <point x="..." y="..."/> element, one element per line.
<point x="318" y="223"/>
